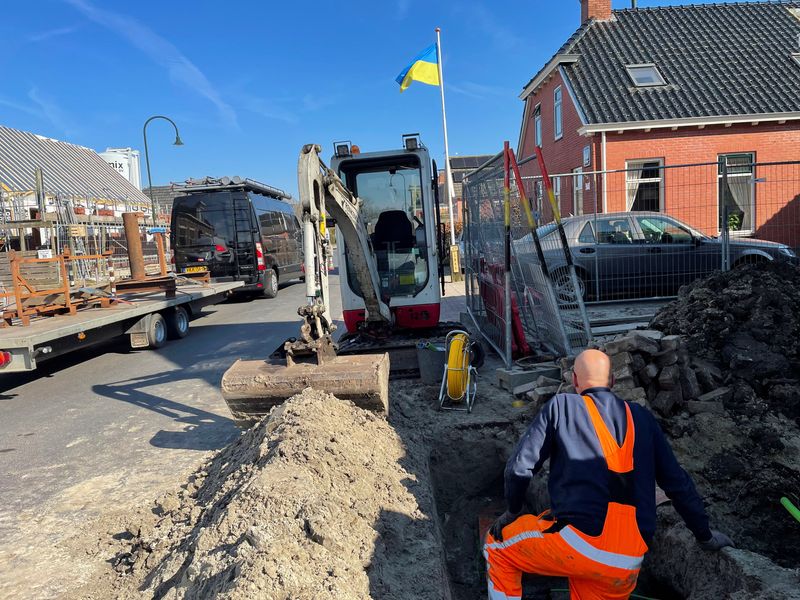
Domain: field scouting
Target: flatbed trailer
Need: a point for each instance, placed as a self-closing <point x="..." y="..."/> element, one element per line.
<point x="148" y="318"/>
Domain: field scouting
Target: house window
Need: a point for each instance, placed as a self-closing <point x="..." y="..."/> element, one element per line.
<point x="577" y="191"/>
<point x="557" y="191"/>
<point x="537" y="126"/>
<point x="557" y="120"/>
<point x="645" y="75"/>
<point x="644" y="185"/>
<point x="537" y="209"/>
<point x="739" y="198"/>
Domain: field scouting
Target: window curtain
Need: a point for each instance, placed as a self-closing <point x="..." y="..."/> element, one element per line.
<point x="740" y="202"/>
<point x="634" y="176"/>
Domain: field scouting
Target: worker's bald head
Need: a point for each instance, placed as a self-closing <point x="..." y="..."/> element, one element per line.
<point x="592" y="369"/>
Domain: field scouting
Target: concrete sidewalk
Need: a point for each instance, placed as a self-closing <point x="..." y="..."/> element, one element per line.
<point x="454" y="302"/>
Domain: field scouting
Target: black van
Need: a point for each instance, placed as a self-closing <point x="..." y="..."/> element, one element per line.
<point x="238" y="229"/>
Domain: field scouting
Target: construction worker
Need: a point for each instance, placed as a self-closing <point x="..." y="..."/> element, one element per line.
<point x="606" y="456"/>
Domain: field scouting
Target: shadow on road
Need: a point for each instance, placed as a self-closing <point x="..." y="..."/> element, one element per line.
<point x="205" y="356"/>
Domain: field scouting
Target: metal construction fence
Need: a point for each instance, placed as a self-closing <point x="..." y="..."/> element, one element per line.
<point x="640" y="232"/>
<point x="510" y="290"/>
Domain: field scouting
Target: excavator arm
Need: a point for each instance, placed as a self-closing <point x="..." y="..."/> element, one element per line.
<point x="322" y="192"/>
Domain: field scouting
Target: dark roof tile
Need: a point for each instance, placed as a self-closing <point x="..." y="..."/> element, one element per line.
<point x="717" y="60"/>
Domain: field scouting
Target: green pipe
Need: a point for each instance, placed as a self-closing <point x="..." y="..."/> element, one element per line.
<point x="793" y="510"/>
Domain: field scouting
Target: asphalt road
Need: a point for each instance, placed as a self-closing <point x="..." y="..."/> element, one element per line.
<point x="111" y="426"/>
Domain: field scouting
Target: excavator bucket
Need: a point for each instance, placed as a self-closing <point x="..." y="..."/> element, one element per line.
<point x="252" y="387"/>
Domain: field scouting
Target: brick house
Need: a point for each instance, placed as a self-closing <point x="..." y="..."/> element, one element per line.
<point x="635" y="92"/>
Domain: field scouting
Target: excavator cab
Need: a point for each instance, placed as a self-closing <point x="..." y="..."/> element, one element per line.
<point x="399" y="211"/>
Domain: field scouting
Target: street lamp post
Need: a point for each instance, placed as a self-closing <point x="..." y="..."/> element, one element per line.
<point x="178" y="142"/>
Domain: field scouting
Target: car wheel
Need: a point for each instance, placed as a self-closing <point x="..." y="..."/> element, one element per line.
<point x="178" y="323"/>
<point x="156" y="331"/>
<point x="752" y="259"/>
<point x="270" y="284"/>
<point x="562" y="286"/>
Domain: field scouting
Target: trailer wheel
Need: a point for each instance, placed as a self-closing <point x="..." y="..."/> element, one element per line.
<point x="156" y="331"/>
<point x="177" y="323"/>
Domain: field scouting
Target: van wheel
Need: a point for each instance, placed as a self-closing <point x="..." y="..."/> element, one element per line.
<point x="270" y="284"/>
<point x="156" y="331"/>
<point x="177" y="323"/>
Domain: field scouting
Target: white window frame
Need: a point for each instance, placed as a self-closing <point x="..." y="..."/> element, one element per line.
<point x="556" y="183"/>
<point x="752" y="176"/>
<point x="639" y="163"/>
<point x="796" y="57"/>
<point x="658" y="76"/>
<point x="537" y="126"/>
<point x="558" y="113"/>
<point x="577" y="190"/>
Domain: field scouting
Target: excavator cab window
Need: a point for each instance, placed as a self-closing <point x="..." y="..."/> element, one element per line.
<point x="395" y="216"/>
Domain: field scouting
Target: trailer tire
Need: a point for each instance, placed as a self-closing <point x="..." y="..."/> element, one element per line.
<point x="156" y="331"/>
<point x="177" y="323"/>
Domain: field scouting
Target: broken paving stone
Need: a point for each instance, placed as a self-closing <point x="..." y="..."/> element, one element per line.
<point x="689" y="385"/>
<point x="543" y="394"/>
<point x="625" y="383"/>
<point x="623" y="372"/>
<point x="621" y="360"/>
<point x="670" y="342"/>
<point x="637" y="395"/>
<point x="545" y="381"/>
<point x="634" y="341"/>
<point x="697" y="407"/>
<point x="653" y="334"/>
<point x="665" y="401"/>
<point x="664" y="359"/>
<point x="723" y="395"/>
<point x="649" y="373"/>
<point x="669" y="378"/>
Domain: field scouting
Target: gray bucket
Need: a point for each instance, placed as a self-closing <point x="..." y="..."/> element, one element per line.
<point x="431" y="358"/>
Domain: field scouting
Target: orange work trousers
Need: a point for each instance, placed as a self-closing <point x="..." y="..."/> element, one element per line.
<point x="598" y="568"/>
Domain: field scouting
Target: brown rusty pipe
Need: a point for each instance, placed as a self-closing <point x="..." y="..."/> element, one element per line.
<point x="162" y="256"/>
<point x="135" y="254"/>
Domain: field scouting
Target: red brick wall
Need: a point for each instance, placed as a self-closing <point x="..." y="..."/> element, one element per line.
<point x="691" y="193"/>
<point x="562" y="155"/>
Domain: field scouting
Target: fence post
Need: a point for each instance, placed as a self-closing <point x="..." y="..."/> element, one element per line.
<point x="507" y="252"/>
<point x="724" y="231"/>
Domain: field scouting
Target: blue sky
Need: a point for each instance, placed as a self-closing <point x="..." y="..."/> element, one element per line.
<point x="250" y="82"/>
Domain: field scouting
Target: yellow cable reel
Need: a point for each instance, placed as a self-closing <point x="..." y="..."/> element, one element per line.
<point x="458" y="359"/>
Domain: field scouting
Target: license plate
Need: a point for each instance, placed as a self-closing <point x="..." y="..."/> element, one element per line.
<point x="194" y="269"/>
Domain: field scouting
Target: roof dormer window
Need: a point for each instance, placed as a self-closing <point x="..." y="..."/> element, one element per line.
<point x="796" y="57"/>
<point x="645" y="75"/>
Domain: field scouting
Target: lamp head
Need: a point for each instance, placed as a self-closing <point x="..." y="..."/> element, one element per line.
<point x="178" y="140"/>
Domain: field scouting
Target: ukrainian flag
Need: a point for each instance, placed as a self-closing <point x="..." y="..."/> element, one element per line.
<point x="424" y="68"/>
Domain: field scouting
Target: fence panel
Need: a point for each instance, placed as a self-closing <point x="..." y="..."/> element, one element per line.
<point x="637" y="233"/>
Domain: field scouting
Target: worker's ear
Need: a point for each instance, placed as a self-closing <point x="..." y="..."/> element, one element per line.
<point x="574" y="381"/>
<point x="612" y="381"/>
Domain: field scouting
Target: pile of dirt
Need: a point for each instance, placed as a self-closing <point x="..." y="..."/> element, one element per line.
<point x="746" y="324"/>
<point x="319" y="500"/>
<point x="741" y="442"/>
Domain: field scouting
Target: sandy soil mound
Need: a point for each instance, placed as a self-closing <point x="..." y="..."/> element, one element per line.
<point x="319" y="500"/>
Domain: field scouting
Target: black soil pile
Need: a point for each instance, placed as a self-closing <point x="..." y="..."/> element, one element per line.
<point x="743" y="328"/>
<point x="746" y="323"/>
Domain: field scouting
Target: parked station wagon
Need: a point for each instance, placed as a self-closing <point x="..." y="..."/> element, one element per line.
<point x="640" y="254"/>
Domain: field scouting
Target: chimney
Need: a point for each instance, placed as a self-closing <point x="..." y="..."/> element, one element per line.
<point x="595" y="9"/>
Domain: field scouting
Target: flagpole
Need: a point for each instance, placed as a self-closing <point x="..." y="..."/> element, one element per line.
<point x="448" y="185"/>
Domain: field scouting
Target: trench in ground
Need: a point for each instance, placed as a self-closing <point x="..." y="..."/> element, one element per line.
<point x="467" y="471"/>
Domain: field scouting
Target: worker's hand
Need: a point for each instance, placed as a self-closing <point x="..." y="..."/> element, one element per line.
<point x="718" y="541"/>
<point x="504" y="520"/>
